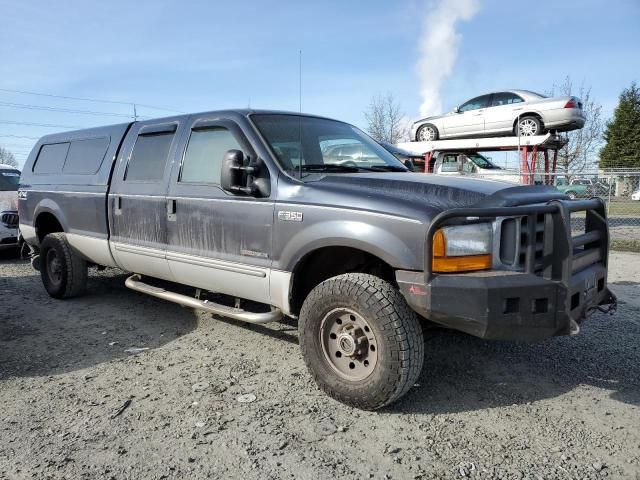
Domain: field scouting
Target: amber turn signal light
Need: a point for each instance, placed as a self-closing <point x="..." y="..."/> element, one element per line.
<point x="466" y="263"/>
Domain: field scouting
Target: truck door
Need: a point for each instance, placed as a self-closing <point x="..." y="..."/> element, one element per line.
<point x="216" y="240"/>
<point x="137" y="198"/>
<point x="469" y="119"/>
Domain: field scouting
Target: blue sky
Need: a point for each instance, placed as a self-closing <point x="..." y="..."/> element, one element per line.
<point x="200" y="55"/>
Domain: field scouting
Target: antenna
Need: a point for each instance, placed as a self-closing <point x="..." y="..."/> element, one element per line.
<point x="300" y="111"/>
<point x="300" y="81"/>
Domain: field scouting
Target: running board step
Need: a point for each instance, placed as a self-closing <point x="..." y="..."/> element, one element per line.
<point x="134" y="282"/>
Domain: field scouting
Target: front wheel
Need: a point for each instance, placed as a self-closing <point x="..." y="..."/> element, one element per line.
<point x="572" y="195"/>
<point x="360" y="340"/>
<point x="63" y="272"/>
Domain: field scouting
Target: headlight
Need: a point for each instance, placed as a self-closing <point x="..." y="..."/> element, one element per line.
<point x="463" y="248"/>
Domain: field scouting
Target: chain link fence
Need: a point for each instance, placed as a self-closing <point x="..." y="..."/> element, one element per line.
<point x="620" y="190"/>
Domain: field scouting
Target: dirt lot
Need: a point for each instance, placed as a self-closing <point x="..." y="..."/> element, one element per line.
<point x="564" y="408"/>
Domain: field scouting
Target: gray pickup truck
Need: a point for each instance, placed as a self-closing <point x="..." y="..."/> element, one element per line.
<point x="248" y="209"/>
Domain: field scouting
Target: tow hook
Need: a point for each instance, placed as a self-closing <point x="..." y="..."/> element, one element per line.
<point x="608" y="306"/>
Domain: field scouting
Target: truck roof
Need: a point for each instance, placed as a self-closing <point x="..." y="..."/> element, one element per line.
<point x="244" y="112"/>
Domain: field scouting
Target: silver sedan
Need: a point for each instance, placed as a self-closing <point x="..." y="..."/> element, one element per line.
<point x="509" y="112"/>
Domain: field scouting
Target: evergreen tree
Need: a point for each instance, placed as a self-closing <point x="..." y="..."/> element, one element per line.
<point x="622" y="134"/>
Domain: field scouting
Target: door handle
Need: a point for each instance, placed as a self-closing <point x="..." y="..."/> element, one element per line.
<point x="117" y="206"/>
<point x="519" y="108"/>
<point x="171" y="209"/>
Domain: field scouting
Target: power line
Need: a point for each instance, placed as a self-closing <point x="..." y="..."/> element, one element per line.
<point x="60" y="109"/>
<point x="30" y="124"/>
<point x="20" y="136"/>
<point x="84" y="99"/>
<point x="14" y="145"/>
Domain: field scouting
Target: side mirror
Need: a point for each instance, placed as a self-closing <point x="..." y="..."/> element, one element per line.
<point x="456" y="110"/>
<point x="409" y="164"/>
<point x="237" y="177"/>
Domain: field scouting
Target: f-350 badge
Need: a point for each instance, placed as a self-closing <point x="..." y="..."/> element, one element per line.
<point x="287" y="216"/>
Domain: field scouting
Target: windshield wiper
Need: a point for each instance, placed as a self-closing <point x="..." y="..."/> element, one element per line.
<point x="335" y="167"/>
<point x="327" y="167"/>
<point x="384" y="168"/>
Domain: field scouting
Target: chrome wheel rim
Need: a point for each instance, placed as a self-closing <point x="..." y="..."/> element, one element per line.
<point x="427" y="134"/>
<point x="348" y="344"/>
<point x="54" y="267"/>
<point x="528" y="127"/>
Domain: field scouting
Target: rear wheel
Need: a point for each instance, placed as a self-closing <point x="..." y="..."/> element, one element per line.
<point x="360" y="340"/>
<point x="63" y="272"/>
<point x="427" y="133"/>
<point x="529" y="126"/>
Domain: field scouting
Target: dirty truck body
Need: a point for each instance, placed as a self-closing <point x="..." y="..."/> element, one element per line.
<point x="361" y="254"/>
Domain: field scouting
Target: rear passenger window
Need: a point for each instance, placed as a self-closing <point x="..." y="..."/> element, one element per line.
<point x="505" y="98"/>
<point x="51" y="158"/>
<point x="450" y="163"/>
<point x="205" y="151"/>
<point x="149" y="158"/>
<point x="85" y="156"/>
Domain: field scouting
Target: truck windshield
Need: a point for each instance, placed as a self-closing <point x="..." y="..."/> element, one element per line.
<point x="309" y="144"/>
<point x="483" y="162"/>
<point x="9" y="180"/>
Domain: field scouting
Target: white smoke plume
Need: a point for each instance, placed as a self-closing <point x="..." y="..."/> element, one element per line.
<point x="439" y="48"/>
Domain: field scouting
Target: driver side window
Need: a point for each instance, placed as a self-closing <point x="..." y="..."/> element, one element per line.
<point x="475" y="103"/>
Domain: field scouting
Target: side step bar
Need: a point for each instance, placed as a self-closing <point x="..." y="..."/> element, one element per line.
<point x="134" y="282"/>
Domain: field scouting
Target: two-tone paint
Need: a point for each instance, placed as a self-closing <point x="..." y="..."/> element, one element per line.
<point x="246" y="246"/>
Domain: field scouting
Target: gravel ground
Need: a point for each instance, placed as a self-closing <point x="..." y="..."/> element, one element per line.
<point x="213" y="398"/>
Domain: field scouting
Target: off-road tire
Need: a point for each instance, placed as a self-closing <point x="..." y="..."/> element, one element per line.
<point x="398" y="333"/>
<point x="72" y="268"/>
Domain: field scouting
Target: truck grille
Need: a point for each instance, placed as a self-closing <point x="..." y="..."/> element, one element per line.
<point x="9" y="219"/>
<point x="530" y="243"/>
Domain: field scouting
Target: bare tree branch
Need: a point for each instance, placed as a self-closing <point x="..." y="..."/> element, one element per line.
<point x="583" y="146"/>
<point x="7" y="158"/>
<point x="385" y="120"/>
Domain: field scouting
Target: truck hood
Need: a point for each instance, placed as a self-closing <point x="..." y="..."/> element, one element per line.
<point x="418" y="195"/>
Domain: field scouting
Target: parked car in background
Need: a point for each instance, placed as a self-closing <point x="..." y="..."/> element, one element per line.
<point x="506" y="112"/>
<point x="636" y="195"/>
<point x="9" y="181"/>
<point x="582" y="188"/>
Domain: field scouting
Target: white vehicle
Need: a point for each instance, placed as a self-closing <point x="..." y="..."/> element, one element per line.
<point x="455" y="163"/>
<point x="462" y="157"/>
<point x="9" y="180"/>
<point x="508" y="112"/>
<point x="636" y="195"/>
